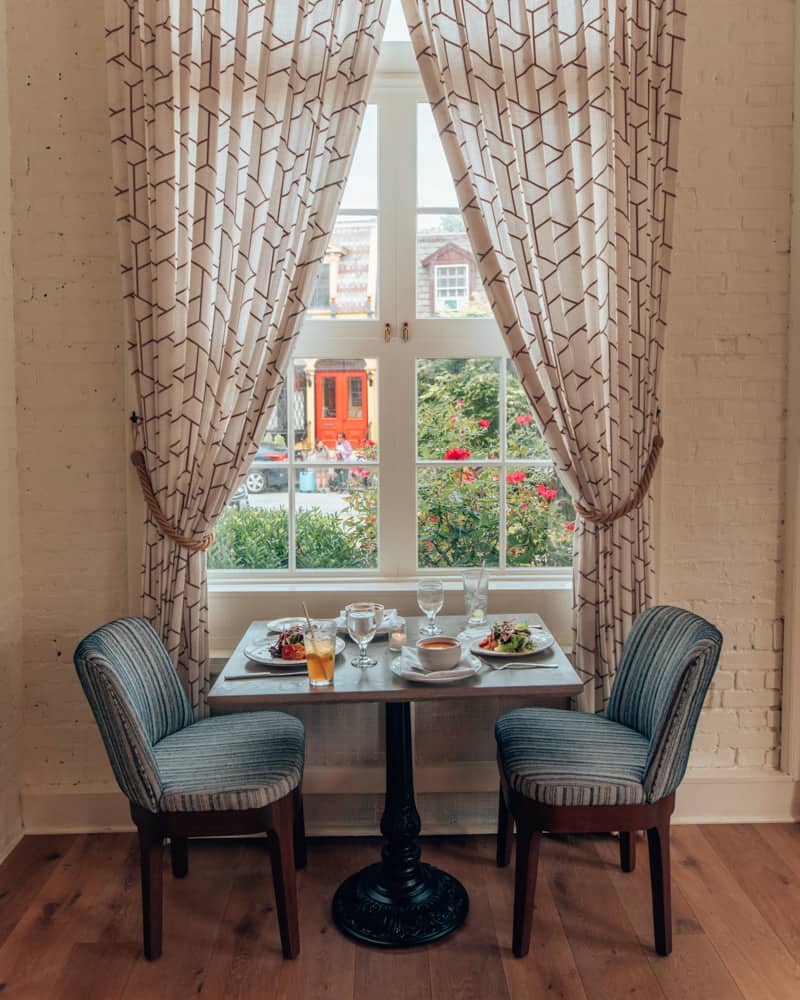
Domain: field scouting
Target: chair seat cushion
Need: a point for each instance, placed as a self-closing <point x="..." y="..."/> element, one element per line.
<point x="242" y="761"/>
<point x="562" y="758"/>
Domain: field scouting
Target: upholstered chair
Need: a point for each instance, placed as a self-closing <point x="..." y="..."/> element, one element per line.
<point x="571" y="772"/>
<point x="232" y="774"/>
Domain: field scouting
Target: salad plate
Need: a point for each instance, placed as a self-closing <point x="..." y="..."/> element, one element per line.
<point x="260" y="652"/>
<point x="508" y="640"/>
<point x="281" y="624"/>
<point x="388" y="622"/>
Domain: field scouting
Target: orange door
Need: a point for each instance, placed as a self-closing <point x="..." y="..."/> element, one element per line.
<point x="341" y="405"/>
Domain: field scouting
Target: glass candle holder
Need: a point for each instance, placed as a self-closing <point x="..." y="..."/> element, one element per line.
<point x="397" y="637"/>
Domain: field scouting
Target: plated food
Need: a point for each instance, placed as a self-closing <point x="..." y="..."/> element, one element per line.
<point x="510" y="638"/>
<point x="289" y="645"/>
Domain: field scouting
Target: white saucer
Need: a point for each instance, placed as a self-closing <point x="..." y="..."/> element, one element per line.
<point x="468" y="667"/>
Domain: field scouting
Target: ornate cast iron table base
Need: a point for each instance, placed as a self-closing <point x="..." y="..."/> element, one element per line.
<point x="365" y="909"/>
<point x="399" y="902"/>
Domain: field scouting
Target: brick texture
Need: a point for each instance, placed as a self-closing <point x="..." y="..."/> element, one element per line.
<point x="724" y="388"/>
<point x="70" y="375"/>
<point x="724" y="374"/>
<point x="10" y="602"/>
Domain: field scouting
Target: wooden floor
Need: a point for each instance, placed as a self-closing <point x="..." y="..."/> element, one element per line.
<point x="69" y="924"/>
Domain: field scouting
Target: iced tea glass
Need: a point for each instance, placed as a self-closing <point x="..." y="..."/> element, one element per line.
<point x="320" y="643"/>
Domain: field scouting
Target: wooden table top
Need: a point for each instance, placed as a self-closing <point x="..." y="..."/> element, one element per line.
<point x="553" y="675"/>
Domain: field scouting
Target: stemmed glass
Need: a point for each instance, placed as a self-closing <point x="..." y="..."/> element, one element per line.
<point x="430" y="598"/>
<point x="362" y="621"/>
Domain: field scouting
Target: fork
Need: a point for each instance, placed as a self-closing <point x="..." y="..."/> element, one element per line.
<point x="521" y="666"/>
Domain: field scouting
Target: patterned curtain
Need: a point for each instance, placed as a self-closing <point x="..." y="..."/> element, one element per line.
<point x="233" y="124"/>
<point x="559" y="122"/>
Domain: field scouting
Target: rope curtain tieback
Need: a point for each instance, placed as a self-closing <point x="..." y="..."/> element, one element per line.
<point x="635" y="500"/>
<point x="163" y="522"/>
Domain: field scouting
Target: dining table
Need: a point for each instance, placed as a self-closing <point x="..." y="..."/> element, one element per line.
<point x="399" y="901"/>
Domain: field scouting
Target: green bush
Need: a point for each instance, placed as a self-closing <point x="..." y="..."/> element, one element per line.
<point x="256" y="538"/>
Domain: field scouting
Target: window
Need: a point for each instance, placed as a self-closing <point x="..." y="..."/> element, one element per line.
<point x="389" y="456"/>
<point x="452" y="287"/>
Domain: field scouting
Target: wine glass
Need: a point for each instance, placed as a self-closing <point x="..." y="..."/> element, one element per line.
<point x="430" y="598"/>
<point x="362" y="621"/>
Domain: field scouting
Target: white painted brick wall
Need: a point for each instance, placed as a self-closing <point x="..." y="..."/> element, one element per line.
<point x="10" y="602"/>
<point x="723" y="372"/>
<point x="724" y="387"/>
<point x="72" y="445"/>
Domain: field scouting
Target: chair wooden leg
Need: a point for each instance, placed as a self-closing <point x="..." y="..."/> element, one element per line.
<point x="150" y="853"/>
<point x="281" y="846"/>
<point x="504" y="824"/>
<point x="179" y="853"/>
<point x="658" y="843"/>
<point x="627" y="851"/>
<point x="525" y="887"/>
<point x="300" y="856"/>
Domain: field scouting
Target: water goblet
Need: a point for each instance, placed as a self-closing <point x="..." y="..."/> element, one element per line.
<point x="362" y="621"/>
<point x="430" y="598"/>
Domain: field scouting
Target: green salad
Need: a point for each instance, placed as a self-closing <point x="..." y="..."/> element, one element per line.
<point x="509" y="637"/>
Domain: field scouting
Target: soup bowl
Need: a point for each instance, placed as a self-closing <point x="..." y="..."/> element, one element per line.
<point x="439" y="652"/>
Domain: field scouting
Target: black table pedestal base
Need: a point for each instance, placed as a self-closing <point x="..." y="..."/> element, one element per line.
<point x="399" y="902"/>
<point x="365" y="909"/>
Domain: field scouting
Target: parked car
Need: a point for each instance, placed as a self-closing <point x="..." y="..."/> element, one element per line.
<point x="240" y="498"/>
<point x="266" y="472"/>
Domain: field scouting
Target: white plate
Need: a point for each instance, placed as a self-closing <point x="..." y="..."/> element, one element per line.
<point x="540" y="644"/>
<point x="259" y="653"/>
<point x="438" y="676"/>
<point x="390" y="619"/>
<point x="279" y="624"/>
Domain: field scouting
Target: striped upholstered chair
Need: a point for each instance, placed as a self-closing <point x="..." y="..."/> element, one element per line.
<point x="233" y="774"/>
<point x="571" y="772"/>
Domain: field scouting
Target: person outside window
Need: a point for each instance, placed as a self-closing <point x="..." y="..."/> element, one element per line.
<point x="344" y="452"/>
<point x="319" y="453"/>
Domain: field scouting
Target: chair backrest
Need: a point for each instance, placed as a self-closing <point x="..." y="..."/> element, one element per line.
<point x="667" y="664"/>
<point x="136" y="698"/>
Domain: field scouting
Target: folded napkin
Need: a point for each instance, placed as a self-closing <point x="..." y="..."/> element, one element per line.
<point x="409" y="662"/>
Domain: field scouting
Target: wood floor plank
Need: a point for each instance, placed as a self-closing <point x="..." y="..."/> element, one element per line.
<point x="784" y="839"/>
<point x="694" y="970"/>
<point x="549" y="967"/>
<point x="765" y="876"/>
<point x="23" y="874"/>
<point x="611" y="961"/>
<point x="327" y="965"/>
<point x="193" y="909"/>
<point x="467" y="964"/>
<point x="754" y="955"/>
<point x="246" y="959"/>
<point x="68" y="909"/>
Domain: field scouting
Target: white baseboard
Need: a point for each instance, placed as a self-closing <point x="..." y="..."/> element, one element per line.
<point x="7" y="846"/>
<point x="725" y="796"/>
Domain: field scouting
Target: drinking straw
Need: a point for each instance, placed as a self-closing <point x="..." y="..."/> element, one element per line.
<point x="305" y="612"/>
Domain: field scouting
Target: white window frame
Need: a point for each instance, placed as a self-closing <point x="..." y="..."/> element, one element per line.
<point x="234" y="594"/>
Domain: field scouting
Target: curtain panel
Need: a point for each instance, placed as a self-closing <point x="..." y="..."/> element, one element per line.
<point x="233" y="123"/>
<point x="559" y="121"/>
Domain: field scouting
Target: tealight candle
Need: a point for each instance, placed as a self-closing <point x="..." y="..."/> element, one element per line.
<point x="397" y="636"/>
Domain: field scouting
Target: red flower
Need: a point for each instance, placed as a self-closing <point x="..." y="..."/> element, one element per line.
<point x="569" y="525"/>
<point x="515" y="477"/>
<point x="432" y="519"/>
<point x="456" y="454"/>
<point x="545" y="493"/>
<point x="469" y="476"/>
<point x="361" y="472"/>
<point x="484" y="423"/>
<point x="524" y="418"/>
<point x="369" y="444"/>
<point x="459" y="402"/>
<point x="523" y="506"/>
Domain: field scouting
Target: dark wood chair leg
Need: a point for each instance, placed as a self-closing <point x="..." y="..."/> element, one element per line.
<point x="281" y="847"/>
<point x="660" y="882"/>
<point x="300" y="855"/>
<point x="627" y="851"/>
<point x="179" y="852"/>
<point x="504" y="824"/>
<point x="151" y="841"/>
<point x="525" y="887"/>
